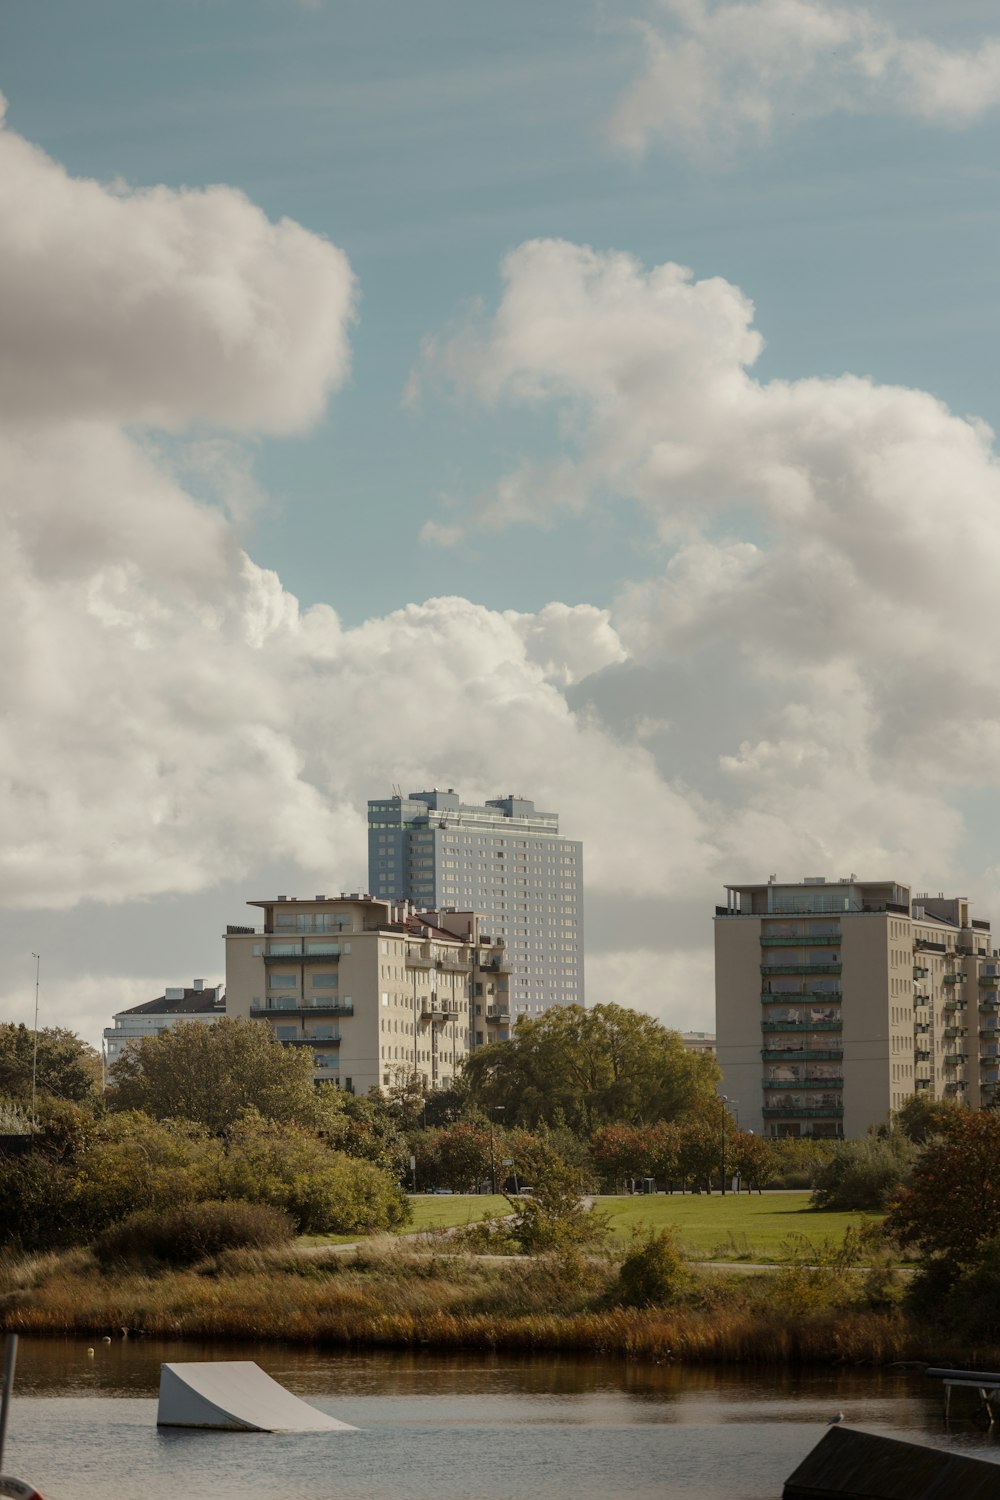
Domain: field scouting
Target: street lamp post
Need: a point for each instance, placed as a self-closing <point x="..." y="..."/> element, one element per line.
<point x="34" y="1051"/>
<point x="495" y="1110"/>
<point x="724" y="1100"/>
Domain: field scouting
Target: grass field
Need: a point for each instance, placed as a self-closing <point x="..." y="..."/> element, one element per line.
<point x="433" y="1212"/>
<point x="748" y="1227"/>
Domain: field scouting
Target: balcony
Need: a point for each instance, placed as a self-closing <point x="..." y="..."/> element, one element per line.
<point x="311" y="957"/>
<point x="803" y="1111"/>
<point x="991" y="980"/>
<point x="955" y="1059"/>
<point x="795" y="968"/>
<point x="922" y="1083"/>
<point x="953" y="979"/>
<point x="437" y="1010"/>
<point x="799" y="997"/>
<point x="990" y="1031"/>
<point x="921" y="1057"/>
<point x="417" y="960"/>
<point x="801" y="1025"/>
<point x="919" y="972"/>
<point x="310" y="1041"/>
<point x="496" y="1013"/>
<point x="305" y="1008"/>
<point x="803" y="940"/>
<point x="804" y="1083"/>
<point x="989" y="1002"/>
<point x="953" y="1031"/>
<point x="800" y="1054"/>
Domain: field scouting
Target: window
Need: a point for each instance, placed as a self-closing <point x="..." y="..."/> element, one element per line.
<point x="324" y="981"/>
<point x="283" y="981"/>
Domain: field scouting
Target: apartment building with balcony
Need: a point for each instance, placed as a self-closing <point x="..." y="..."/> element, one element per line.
<point x="377" y="992"/>
<point x="837" y="1001"/>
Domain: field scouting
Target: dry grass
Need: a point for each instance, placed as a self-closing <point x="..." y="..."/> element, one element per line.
<point x="394" y="1296"/>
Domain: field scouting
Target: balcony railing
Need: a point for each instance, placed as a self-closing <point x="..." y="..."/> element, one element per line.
<point x="952" y="978"/>
<point x="800" y="1054"/>
<point x="311" y="957"/>
<point x="955" y="1059"/>
<point x="306" y="1008"/>
<point x="803" y="940"/>
<point x="799" y="997"/>
<point x="310" y="1041"/>
<point x="795" y="968"/>
<point x="804" y="1083"/>
<point x="801" y="1025"/>
<point x="803" y="1111"/>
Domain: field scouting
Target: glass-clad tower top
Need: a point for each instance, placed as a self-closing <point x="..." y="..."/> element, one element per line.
<point x="504" y="859"/>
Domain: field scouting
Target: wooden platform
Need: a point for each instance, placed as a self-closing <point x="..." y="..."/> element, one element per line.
<point x="850" y="1465"/>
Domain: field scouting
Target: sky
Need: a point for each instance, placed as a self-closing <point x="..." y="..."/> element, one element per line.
<point x="592" y="401"/>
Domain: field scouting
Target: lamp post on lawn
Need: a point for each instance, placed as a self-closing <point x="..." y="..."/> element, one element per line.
<point x="497" y="1109"/>
<point x="724" y="1100"/>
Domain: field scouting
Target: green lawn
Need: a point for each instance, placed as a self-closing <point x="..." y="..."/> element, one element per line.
<point x="433" y="1212"/>
<point x="749" y="1227"/>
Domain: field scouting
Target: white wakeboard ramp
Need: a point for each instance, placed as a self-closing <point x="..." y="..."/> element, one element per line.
<point x="235" y="1396"/>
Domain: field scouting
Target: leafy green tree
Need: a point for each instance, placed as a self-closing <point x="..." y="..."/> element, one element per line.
<point x="864" y="1173"/>
<point x="210" y="1074"/>
<point x="292" y="1168"/>
<point x="920" y="1117"/>
<point x="586" y="1068"/>
<point x="67" y="1068"/>
<point x="465" y="1155"/>
<point x="365" y="1127"/>
<point x="556" y="1216"/>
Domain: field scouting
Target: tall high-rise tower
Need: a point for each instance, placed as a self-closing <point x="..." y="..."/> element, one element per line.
<point x="503" y="859"/>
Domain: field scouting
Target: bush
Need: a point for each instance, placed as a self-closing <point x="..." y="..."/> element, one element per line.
<point x="194" y="1231"/>
<point x="865" y="1173"/>
<point x="653" y="1273"/>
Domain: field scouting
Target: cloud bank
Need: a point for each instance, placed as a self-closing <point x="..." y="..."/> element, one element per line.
<point x="719" y="77"/>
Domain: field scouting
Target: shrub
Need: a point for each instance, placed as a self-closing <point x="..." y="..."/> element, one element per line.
<point x="192" y="1231"/>
<point x="865" y="1173"/>
<point x="653" y="1274"/>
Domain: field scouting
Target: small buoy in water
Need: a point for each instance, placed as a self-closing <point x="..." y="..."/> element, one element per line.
<point x="106" y="1339"/>
<point x="91" y="1353"/>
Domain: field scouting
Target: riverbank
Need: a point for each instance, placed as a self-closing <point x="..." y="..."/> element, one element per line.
<point x="394" y="1295"/>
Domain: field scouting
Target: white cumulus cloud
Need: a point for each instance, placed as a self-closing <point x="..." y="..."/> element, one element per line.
<point x="720" y="76"/>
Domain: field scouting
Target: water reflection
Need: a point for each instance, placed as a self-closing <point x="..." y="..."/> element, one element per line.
<point x="473" y="1426"/>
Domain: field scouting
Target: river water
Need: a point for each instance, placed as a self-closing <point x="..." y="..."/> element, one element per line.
<point x="456" y="1427"/>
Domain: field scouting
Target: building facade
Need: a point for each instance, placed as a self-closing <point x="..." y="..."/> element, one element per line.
<point x="379" y="994"/>
<point x="198" y="1003"/>
<point x="837" y="1001"/>
<point x="503" y="859"/>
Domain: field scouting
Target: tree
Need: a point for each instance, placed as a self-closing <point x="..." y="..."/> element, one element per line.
<point x="556" y="1216"/>
<point x="364" y="1127"/>
<point x="210" y="1074"/>
<point x="864" y="1173"/>
<point x="754" y="1158"/>
<point x="699" y="1157"/>
<point x="587" y="1068"/>
<point x="951" y="1206"/>
<point x="920" y="1116"/>
<point x="66" y="1069"/>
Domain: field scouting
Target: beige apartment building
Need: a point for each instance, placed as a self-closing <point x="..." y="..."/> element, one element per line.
<point x="836" y="1001"/>
<point x="376" y="992"/>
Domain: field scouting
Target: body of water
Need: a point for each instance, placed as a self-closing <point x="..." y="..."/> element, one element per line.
<point x="456" y="1427"/>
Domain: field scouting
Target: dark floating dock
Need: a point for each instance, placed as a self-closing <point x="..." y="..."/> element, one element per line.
<point x="850" y="1465"/>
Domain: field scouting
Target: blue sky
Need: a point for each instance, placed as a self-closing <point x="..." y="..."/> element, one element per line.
<point x="428" y="143"/>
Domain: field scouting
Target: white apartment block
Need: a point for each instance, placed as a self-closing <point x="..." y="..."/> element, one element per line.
<point x="192" y="1003"/>
<point x="837" y="1001"/>
<point x="376" y="992"/>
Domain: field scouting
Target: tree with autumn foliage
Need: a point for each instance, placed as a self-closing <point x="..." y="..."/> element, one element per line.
<point x="951" y="1206"/>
